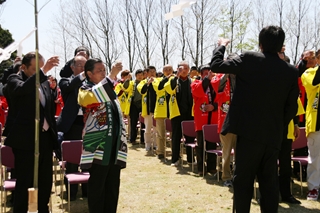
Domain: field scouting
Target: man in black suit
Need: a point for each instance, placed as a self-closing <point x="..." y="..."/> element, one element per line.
<point x="264" y="102"/>
<point x="21" y="137"/>
<point x="70" y="121"/>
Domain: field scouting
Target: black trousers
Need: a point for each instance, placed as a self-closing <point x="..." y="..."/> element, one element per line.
<point x="285" y="168"/>
<point x="254" y="158"/>
<point x="24" y="167"/>
<point x="134" y="117"/>
<point x="211" y="158"/>
<point x="103" y="188"/>
<point x="176" y="138"/>
<point x="75" y="133"/>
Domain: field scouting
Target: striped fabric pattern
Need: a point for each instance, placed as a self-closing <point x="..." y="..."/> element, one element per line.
<point x="100" y="93"/>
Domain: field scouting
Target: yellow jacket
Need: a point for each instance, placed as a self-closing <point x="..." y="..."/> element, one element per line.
<point x="291" y="124"/>
<point x="144" y="111"/>
<point x="123" y="97"/>
<point x="313" y="97"/>
<point x="173" y="105"/>
<point x="129" y="91"/>
<point x="160" y="110"/>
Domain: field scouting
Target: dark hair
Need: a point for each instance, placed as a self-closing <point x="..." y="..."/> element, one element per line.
<point x="81" y="48"/>
<point x="160" y="74"/>
<point x="89" y="65"/>
<point x="271" y="39"/>
<point x="138" y="71"/>
<point x="194" y="68"/>
<point x="16" y="67"/>
<point x="317" y="53"/>
<point x="26" y="60"/>
<point x="150" y="67"/>
<point x="286" y="59"/>
<point x="204" y="67"/>
<point x="124" y="73"/>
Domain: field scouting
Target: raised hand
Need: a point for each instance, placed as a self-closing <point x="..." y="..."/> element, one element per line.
<point x="50" y="63"/>
<point x="223" y="41"/>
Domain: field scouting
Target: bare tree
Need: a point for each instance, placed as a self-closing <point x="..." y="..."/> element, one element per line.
<point x="199" y="24"/>
<point x="145" y="12"/>
<point x="161" y="30"/>
<point x="180" y="27"/>
<point x="279" y="5"/>
<point x="295" y="19"/>
<point x="316" y="25"/>
<point x="104" y="32"/>
<point x="233" y="22"/>
<point x="127" y="32"/>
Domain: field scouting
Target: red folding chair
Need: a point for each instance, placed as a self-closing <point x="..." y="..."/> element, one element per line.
<point x="6" y="160"/>
<point x="211" y="135"/>
<point x="188" y="129"/>
<point x="301" y="142"/>
<point x="71" y="152"/>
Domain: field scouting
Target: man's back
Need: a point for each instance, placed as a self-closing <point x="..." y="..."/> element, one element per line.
<point x="262" y="101"/>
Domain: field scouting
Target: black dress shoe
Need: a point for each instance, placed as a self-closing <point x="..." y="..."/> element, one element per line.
<point x="291" y="200"/>
<point x="160" y="156"/>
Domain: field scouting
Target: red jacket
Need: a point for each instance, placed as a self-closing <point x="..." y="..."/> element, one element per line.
<point x="223" y="105"/>
<point x="200" y="97"/>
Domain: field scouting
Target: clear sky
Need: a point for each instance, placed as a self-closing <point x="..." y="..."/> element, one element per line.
<point x="18" y="17"/>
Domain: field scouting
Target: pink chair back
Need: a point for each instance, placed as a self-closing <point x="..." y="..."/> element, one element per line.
<point x="168" y="125"/>
<point x="71" y="151"/>
<point x="0" y="130"/>
<point x="141" y="119"/>
<point x="301" y="142"/>
<point x="154" y="123"/>
<point x="188" y="128"/>
<point x="210" y="133"/>
<point x="7" y="157"/>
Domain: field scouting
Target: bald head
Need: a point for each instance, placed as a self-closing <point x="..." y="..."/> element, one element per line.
<point x="167" y="70"/>
<point x="78" y="64"/>
<point x="183" y="69"/>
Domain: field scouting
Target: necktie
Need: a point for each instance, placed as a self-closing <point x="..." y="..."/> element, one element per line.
<point x="43" y="103"/>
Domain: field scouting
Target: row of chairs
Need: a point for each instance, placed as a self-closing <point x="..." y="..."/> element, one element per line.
<point x="210" y="135"/>
<point x="71" y="152"/>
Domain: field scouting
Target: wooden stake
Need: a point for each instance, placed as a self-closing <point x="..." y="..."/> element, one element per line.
<point x="33" y="200"/>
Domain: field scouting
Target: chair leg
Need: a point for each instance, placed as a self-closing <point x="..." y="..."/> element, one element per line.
<point x="55" y="176"/>
<point x="301" y="190"/>
<point x="203" y="162"/>
<point x="165" y="153"/>
<point x="254" y="189"/>
<point x="5" y="201"/>
<point x="68" y="197"/>
<point x="1" y="207"/>
<point x="217" y="168"/>
<point x="50" y="204"/>
<point x="233" y="204"/>
<point x="192" y="166"/>
<point x="61" y="185"/>
<point x="181" y="154"/>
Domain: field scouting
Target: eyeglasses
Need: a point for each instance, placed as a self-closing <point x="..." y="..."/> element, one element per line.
<point x="79" y="65"/>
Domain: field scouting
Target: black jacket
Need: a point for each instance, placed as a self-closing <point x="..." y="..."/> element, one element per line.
<point x="265" y="98"/>
<point x="69" y="90"/>
<point x="21" y="134"/>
